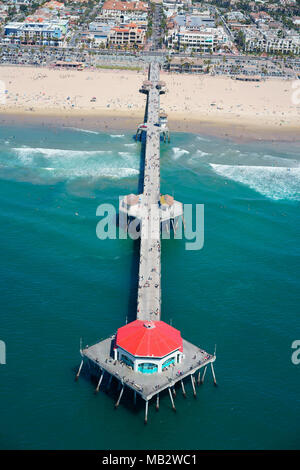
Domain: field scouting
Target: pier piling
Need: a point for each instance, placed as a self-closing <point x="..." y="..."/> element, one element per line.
<point x="120" y="396"/>
<point x="213" y="373"/>
<point x="99" y="383"/>
<point x="193" y="384"/>
<point x="183" y="389"/>
<point x="157" y="402"/>
<point x="79" y="370"/>
<point x="146" y="411"/>
<point x="203" y="376"/>
<point x="171" y="398"/>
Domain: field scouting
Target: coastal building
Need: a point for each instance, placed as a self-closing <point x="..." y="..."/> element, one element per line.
<point x="127" y="35"/>
<point x="45" y="31"/>
<point x="148" y="346"/>
<point x="271" y="41"/>
<point x="235" y="16"/>
<point x="119" y="10"/>
<point x="54" y="5"/>
<point x="97" y="37"/>
<point x="191" y="65"/>
<point x="194" y="21"/>
<point x="203" y="40"/>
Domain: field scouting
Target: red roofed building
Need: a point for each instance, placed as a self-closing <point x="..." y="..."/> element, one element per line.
<point x="127" y="34"/>
<point x="116" y="9"/>
<point x="148" y="346"/>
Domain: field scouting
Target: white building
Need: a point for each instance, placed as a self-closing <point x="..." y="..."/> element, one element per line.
<point x="271" y="41"/>
<point x="148" y="346"/>
<point x="202" y="40"/>
<point x="121" y="10"/>
<point x="42" y="30"/>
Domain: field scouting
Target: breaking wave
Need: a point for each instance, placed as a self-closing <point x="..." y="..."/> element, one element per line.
<point x="27" y="152"/>
<point x="178" y="152"/>
<point x="201" y="153"/>
<point x="87" y="131"/>
<point x="46" y="165"/>
<point x="272" y="182"/>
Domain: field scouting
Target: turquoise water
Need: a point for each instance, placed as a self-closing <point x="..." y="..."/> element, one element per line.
<point x="59" y="282"/>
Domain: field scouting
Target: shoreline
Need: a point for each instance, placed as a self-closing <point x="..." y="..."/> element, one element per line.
<point x="102" y="100"/>
<point x="242" y="129"/>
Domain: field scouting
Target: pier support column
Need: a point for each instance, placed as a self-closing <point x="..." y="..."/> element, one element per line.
<point x="157" y="402"/>
<point x="174" y="391"/>
<point x="193" y="384"/>
<point x="99" y="383"/>
<point x="134" y="397"/>
<point x="203" y="376"/>
<point x="213" y="373"/>
<point x="199" y="378"/>
<point x="146" y="412"/>
<point x="79" y="370"/>
<point x="183" y="390"/>
<point x="120" y="396"/>
<point x="172" y="401"/>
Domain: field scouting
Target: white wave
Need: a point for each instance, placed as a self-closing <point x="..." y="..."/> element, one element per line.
<point x="178" y="152"/>
<point x="273" y="182"/>
<point x="60" y="174"/>
<point x="116" y="136"/>
<point x="201" y="153"/>
<point x="82" y="130"/>
<point x="113" y="173"/>
<point x="287" y="161"/>
<point x="126" y="154"/>
<point x="202" y="138"/>
<point x="22" y="152"/>
<point x="130" y="145"/>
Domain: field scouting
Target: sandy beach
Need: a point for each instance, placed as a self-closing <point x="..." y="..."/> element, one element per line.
<point x="194" y="103"/>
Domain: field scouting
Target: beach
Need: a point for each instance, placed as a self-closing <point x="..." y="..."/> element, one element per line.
<point x="109" y="99"/>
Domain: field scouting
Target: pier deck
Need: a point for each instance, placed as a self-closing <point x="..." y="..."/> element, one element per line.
<point x="149" y="290"/>
<point x="148" y="385"/>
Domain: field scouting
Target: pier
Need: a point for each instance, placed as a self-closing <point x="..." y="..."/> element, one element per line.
<point x="147" y="355"/>
<point x="149" y="290"/>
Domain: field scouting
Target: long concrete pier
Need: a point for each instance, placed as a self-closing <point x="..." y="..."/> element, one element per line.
<point x="99" y="355"/>
<point x="107" y="356"/>
<point x="149" y="290"/>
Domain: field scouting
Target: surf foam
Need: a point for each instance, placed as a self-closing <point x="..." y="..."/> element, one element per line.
<point x="272" y="182"/>
<point x="178" y="152"/>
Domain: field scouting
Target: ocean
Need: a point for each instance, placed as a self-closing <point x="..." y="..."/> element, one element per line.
<point x="60" y="283"/>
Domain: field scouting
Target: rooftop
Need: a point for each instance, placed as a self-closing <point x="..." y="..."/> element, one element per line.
<point x="124" y="6"/>
<point x="149" y="338"/>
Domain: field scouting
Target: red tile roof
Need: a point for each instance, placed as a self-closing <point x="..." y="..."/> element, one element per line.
<point x="124" y="6"/>
<point x="148" y="339"/>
